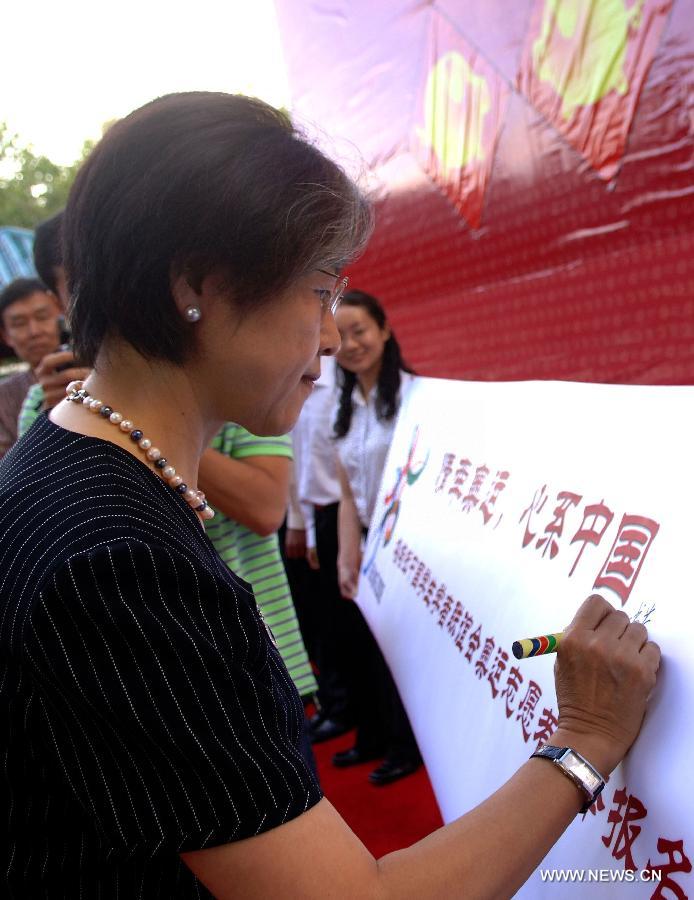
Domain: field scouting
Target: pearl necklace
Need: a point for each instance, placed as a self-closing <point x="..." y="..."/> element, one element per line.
<point x="77" y="393"/>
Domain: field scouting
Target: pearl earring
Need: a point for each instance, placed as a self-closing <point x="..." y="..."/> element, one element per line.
<point x="192" y="313"/>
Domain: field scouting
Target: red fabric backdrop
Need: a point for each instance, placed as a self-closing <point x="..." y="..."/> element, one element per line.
<point x="534" y="170"/>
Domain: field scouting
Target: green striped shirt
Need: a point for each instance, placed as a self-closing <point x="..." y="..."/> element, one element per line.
<point x="31" y="408"/>
<point x="255" y="559"/>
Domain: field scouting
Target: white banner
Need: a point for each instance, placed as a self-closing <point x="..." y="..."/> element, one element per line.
<point x="502" y="507"/>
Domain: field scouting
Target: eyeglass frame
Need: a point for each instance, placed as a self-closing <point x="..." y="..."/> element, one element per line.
<point x="337" y="294"/>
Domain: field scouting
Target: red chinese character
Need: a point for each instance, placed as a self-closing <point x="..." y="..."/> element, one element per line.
<point x="446" y="606"/>
<point x="635" y="536"/>
<point x="460" y="477"/>
<point x="498" y="666"/>
<point x="526" y="709"/>
<point x="536" y="506"/>
<point x="430" y="591"/>
<point x="465" y="626"/>
<point x="474" y="643"/>
<point x="455" y="618"/>
<point x="407" y="557"/>
<point x="678" y="862"/>
<point x="471" y="499"/>
<point x="489" y="501"/>
<point x="418" y="573"/>
<point x="485" y="656"/>
<point x="424" y="582"/>
<point x="445" y="471"/>
<point x="598" y="806"/>
<point x="513" y="682"/>
<point x="545" y="727"/>
<point x="627" y="834"/>
<point x="555" y="528"/>
<point x="590" y="533"/>
<point x="399" y="555"/>
<point x="438" y="599"/>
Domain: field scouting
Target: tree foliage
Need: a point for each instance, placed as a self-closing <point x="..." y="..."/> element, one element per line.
<point x="32" y="187"/>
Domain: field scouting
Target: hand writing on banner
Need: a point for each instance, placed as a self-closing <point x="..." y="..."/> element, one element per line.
<point x="605" y="671"/>
<point x="602" y="685"/>
<point x="468" y="636"/>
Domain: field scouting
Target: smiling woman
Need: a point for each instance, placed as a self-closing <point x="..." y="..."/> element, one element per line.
<point x="152" y="741"/>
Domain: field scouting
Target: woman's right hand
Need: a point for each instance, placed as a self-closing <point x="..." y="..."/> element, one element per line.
<point x="605" y="671"/>
<point x="348" y="578"/>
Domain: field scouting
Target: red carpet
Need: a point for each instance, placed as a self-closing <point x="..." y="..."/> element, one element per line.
<point x="384" y="818"/>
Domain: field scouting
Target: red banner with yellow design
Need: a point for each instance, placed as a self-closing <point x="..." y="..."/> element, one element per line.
<point x="584" y="65"/>
<point x="460" y="113"/>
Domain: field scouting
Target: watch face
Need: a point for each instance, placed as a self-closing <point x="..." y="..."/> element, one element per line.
<point x="582" y="771"/>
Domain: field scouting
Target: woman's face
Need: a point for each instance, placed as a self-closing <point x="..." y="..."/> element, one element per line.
<point x="363" y="340"/>
<point x="258" y="366"/>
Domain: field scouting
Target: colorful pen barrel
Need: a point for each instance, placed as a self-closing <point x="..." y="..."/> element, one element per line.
<point x="536" y="646"/>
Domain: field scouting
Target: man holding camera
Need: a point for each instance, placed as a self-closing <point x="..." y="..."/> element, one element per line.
<point x="29" y="315"/>
<point x="57" y="369"/>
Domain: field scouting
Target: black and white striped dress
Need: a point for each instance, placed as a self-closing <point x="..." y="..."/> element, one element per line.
<point x="144" y="709"/>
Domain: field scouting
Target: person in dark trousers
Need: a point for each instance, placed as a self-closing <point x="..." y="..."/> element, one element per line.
<point x="372" y="377"/>
<point x="317" y="491"/>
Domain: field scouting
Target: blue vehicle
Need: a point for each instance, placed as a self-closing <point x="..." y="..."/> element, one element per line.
<point x="16" y="261"/>
<point x="15" y="254"/>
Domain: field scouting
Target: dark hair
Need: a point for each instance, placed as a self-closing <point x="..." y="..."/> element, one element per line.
<point x="190" y="183"/>
<point x="48" y="249"/>
<point x="392" y="364"/>
<point x="18" y="290"/>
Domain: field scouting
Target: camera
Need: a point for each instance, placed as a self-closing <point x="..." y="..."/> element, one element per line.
<point x="65" y="338"/>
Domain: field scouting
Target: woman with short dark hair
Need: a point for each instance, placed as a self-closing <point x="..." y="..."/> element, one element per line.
<point x="151" y="737"/>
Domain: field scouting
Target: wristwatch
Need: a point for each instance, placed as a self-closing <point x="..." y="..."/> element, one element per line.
<point x="578" y="769"/>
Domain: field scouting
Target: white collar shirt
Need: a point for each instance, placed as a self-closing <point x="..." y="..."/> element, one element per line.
<point x="363" y="450"/>
<point x="314" y="444"/>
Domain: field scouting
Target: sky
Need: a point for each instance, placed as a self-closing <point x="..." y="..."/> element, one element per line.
<point x="74" y="65"/>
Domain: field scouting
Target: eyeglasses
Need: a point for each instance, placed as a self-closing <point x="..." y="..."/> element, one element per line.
<point x="335" y="298"/>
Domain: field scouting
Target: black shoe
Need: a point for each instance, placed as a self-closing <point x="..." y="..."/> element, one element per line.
<point x="326" y="730"/>
<point x="315" y="720"/>
<point x="388" y="771"/>
<point x="354" y="757"/>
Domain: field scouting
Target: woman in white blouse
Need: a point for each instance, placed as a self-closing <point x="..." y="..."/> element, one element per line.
<point x="372" y="377"/>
